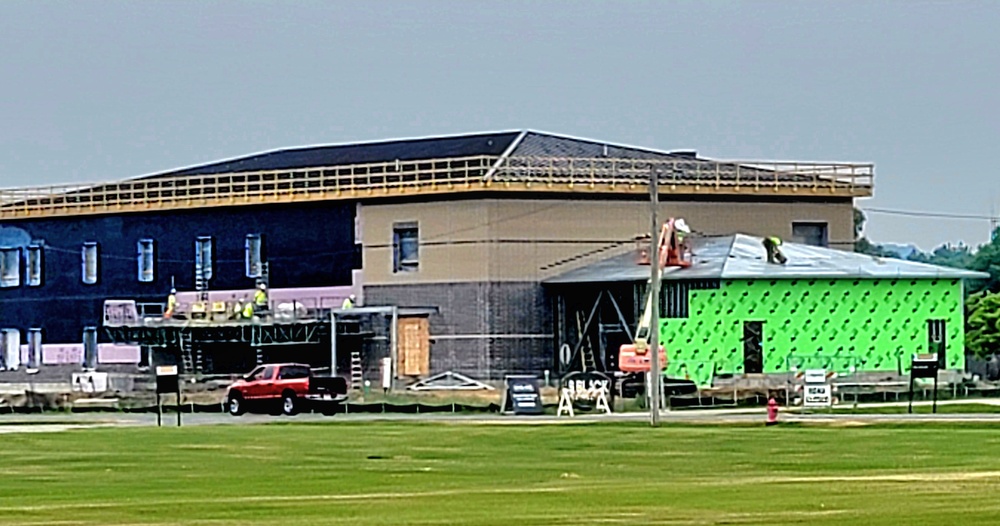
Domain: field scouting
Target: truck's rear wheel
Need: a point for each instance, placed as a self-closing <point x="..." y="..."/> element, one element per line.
<point x="235" y="404"/>
<point x="289" y="403"/>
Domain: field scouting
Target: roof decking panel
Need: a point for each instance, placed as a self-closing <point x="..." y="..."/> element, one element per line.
<point x="743" y="257"/>
<point x="548" y="145"/>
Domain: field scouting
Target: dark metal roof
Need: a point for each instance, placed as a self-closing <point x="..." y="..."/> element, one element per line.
<point x="550" y="145"/>
<point x="359" y="153"/>
<point x="743" y="257"/>
<point x="522" y="144"/>
<point x="687" y="163"/>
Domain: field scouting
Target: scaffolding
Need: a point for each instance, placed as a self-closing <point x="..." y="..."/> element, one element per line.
<point x="480" y="174"/>
<point x="126" y="322"/>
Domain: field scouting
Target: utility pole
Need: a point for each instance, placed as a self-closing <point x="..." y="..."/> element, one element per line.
<point x="654" y="291"/>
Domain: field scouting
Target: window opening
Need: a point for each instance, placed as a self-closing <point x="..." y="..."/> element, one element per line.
<point x="10" y="348"/>
<point x="753" y="347"/>
<point x="90" y="347"/>
<point x="34" y="348"/>
<point x="937" y="341"/>
<point x="10" y="267"/>
<point x="254" y="256"/>
<point x="203" y="259"/>
<point x="406" y="247"/>
<point x="34" y="265"/>
<point x="146" y="249"/>
<point x="812" y="233"/>
<point x="89" y="263"/>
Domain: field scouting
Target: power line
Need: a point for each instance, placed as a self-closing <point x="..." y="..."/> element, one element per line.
<point x="930" y="215"/>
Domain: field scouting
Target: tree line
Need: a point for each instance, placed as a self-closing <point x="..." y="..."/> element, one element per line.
<point x="982" y="302"/>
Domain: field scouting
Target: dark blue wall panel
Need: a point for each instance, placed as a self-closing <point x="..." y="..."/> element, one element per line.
<point x="307" y="245"/>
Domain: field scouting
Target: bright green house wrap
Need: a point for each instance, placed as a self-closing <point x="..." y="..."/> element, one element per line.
<point x="871" y="324"/>
<point x="734" y="310"/>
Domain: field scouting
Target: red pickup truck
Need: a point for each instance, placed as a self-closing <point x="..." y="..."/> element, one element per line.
<point x="291" y="384"/>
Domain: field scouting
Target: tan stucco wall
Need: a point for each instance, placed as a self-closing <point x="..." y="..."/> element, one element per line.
<point x="523" y="240"/>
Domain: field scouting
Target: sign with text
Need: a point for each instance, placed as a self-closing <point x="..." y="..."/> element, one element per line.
<point x="818" y="395"/>
<point x="166" y="379"/>
<point x="924" y="366"/>
<point x="522" y="395"/>
<point x="584" y="388"/>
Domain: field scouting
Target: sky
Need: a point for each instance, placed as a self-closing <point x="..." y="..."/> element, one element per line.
<point x="94" y="91"/>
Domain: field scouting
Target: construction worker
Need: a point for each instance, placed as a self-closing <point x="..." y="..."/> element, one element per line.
<point x="774" y="254"/>
<point x="260" y="299"/>
<point x="348" y="303"/>
<point x="237" y="309"/>
<point x="248" y="310"/>
<point x="171" y="304"/>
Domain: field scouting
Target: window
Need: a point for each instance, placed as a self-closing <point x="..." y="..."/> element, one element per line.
<point x="34" y="265"/>
<point x="254" y="256"/>
<point x="203" y="258"/>
<point x="90" y="347"/>
<point x="937" y="341"/>
<point x="10" y="267"/>
<point x="813" y="233"/>
<point x="293" y="372"/>
<point x="34" y="348"/>
<point x="405" y="247"/>
<point x="89" y="263"/>
<point x="146" y="260"/>
<point x="10" y="348"/>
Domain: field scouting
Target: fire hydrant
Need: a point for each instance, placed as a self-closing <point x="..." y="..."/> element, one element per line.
<point x="772" y="412"/>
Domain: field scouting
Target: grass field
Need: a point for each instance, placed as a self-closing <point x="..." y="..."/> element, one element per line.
<point x="942" y="409"/>
<point x="412" y="473"/>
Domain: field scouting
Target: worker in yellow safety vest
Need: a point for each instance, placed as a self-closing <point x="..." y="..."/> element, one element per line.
<point x="260" y="297"/>
<point x="171" y="304"/>
<point x="772" y="248"/>
<point x="248" y="310"/>
<point x="348" y="303"/>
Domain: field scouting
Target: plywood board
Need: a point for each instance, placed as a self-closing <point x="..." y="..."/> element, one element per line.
<point x="414" y="346"/>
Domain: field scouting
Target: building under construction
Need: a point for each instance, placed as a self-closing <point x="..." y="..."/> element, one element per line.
<point x="735" y="311"/>
<point x="444" y="241"/>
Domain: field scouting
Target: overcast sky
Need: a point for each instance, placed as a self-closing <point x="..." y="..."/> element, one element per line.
<point x="103" y="90"/>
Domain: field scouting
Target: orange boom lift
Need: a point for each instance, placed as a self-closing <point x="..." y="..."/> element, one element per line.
<point x="670" y="252"/>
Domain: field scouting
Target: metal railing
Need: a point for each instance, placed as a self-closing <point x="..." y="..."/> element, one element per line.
<point x="448" y="175"/>
<point x="857" y="178"/>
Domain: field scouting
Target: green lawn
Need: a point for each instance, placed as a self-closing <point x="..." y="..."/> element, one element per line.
<point x="411" y="473"/>
<point x="944" y="409"/>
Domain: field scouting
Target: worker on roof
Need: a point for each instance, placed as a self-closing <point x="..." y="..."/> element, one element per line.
<point x="774" y="254"/>
<point x="348" y="303"/>
<point x="682" y="228"/>
<point x="171" y="304"/>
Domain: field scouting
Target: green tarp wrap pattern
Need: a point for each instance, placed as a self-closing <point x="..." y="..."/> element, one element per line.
<point x="875" y="325"/>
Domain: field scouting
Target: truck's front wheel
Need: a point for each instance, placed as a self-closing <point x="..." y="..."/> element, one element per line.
<point x="235" y="404"/>
<point x="289" y="403"/>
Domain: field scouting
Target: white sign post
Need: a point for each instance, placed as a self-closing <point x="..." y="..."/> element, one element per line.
<point x="817" y="390"/>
